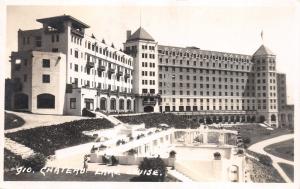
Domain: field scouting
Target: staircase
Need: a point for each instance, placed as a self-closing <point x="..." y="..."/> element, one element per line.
<point x="110" y="118"/>
<point x="179" y="176"/>
<point x="17" y="148"/>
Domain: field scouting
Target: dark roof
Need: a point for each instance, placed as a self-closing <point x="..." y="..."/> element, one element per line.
<point x="54" y="19"/>
<point x="140" y="34"/>
<point x="263" y="50"/>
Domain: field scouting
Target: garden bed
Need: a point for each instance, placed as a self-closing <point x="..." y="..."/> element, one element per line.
<point x="12" y="121"/>
<point x="153" y="120"/>
<point x="50" y="138"/>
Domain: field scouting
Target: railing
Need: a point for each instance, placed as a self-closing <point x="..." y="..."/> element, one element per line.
<point x="148" y="95"/>
<point x="111" y="70"/>
<point x="101" y="68"/>
<point x="149" y="103"/>
<point x="127" y="75"/>
<point x="90" y="64"/>
<point x="120" y="73"/>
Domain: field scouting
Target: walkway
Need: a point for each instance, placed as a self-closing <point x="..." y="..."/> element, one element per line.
<point x="17" y="148"/>
<point x="39" y="120"/>
<point x="259" y="148"/>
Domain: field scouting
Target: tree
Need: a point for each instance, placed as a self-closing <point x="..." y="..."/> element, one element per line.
<point x="172" y="154"/>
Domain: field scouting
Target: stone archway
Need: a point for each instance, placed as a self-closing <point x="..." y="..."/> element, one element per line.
<point x="103" y="104"/>
<point x="46" y="101"/>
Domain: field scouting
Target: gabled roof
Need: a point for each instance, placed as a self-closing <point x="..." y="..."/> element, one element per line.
<point x="140" y="34"/>
<point x="263" y="50"/>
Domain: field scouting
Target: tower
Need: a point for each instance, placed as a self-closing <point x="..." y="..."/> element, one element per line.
<point x="266" y="86"/>
<point x="143" y="48"/>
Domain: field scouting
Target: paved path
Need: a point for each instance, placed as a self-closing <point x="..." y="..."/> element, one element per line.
<point x="259" y="148"/>
<point x="39" y="120"/>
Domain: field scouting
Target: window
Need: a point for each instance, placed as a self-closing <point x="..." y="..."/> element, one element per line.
<point x="76" y="67"/>
<point x="72" y="103"/>
<point x="45" y="101"/>
<point x="38" y="41"/>
<point x="46" y="63"/>
<point x="76" y="54"/>
<point x="46" y="78"/>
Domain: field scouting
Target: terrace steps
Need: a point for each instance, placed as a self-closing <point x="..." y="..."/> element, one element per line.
<point x="179" y="176"/>
<point x="17" y="148"/>
<point x="110" y="118"/>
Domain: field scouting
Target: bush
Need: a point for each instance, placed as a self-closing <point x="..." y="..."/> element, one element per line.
<point x="172" y="154"/>
<point x="114" y="160"/>
<point x="87" y="113"/>
<point x="36" y="161"/>
<point x="152" y="169"/>
<point x="264" y="159"/>
<point x="217" y="156"/>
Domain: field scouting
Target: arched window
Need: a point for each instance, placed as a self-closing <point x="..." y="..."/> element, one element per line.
<point x="112" y="104"/>
<point x="103" y="103"/>
<point x="121" y="104"/>
<point x="21" y="101"/>
<point x="273" y="117"/>
<point x="45" y="101"/>
<point x="128" y="104"/>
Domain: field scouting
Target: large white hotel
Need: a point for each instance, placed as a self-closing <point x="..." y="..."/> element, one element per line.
<point x="59" y="69"/>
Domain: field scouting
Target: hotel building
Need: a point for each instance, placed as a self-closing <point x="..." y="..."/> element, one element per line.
<point x="58" y="69"/>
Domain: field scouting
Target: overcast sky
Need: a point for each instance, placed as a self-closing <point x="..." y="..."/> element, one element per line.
<point x="227" y="28"/>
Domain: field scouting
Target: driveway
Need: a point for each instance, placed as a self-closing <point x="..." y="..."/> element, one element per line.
<point x="259" y="148"/>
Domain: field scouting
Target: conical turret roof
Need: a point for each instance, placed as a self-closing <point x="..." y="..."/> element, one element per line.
<point x="263" y="50"/>
<point x="140" y="34"/>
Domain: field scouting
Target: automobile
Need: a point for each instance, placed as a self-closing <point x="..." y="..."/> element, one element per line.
<point x="234" y="173"/>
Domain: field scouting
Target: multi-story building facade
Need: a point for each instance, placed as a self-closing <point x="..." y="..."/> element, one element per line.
<point x="59" y="69"/>
<point x="285" y="111"/>
<point x="226" y="86"/>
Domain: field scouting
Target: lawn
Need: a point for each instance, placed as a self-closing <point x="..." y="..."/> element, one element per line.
<point x="50" y="138"/>
<point x="283" y="149"/>
<point x="153" y="120"/>
<point x="11" y="160"/>
<point x="12" y="121"/>
<point x="257" y="133"/>
<point x="288" y="169"/>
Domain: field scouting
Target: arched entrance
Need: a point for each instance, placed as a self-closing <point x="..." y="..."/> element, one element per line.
<point x="112" y="104"/>
<point x="128" y="104"/>
<point x="103" y="103"/>
<point x="149" y="109"/>
<point x="121" y="104"/>
<point x="21" y="101"/>
<point x="46" y="100"/>
<point x="273" y="117"/>
<point x="262" y="119"/>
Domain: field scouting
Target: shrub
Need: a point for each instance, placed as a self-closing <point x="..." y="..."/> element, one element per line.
<point x="132" y="152"/>
<point x="114" y="160"/>
<point x="172" y="154"/>
<point x="36" y="161"/>
<point x="217" y="156"/>
<point x="153" y="169"/>
<point x="264" y="159"/>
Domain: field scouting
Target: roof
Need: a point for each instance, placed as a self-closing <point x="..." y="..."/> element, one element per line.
<point x="263" y="50"/>
<point x="54" y="19"/>
<point x="140" y="34"/>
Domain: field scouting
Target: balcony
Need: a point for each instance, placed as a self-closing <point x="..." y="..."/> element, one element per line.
<point x="90" y="64"/>
<point x="119" y="73"/>
<point x="149" y="103"/>
<point x="101" y="68"/>
<point x="127" y="75"/>
<point x="77" y="32"/>
<point x="148" y="95"/>
<point x="111" y="70"/>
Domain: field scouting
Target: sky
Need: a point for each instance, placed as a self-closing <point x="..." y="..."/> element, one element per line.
<point x="234" y="28"/>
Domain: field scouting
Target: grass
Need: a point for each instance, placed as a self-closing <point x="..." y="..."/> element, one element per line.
<point x="12" y="121"/>
<point x="283" y="149"/>
<point x="288" y="169"/>
<point x="257" y="133"/>
<point x="47" y="139"/>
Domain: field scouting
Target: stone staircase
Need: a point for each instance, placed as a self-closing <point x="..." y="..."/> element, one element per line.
<point x="110" y="118"/>
<point x="179" y="176"/>
<point x="17" y="148"/>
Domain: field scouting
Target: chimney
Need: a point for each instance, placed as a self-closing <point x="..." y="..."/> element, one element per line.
<point x="128" y="34"/>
